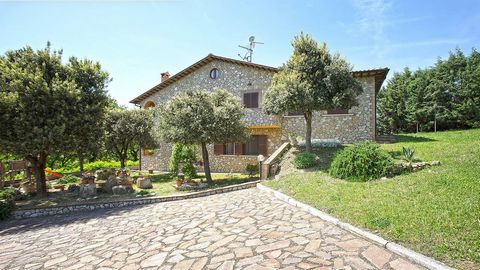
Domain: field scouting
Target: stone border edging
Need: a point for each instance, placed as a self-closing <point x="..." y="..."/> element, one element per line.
<point x="89" y="206"/>
<point x="400" y="250"/>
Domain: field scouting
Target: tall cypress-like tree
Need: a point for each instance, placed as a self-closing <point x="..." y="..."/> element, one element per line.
<point x="444" y="96"/>
<point x="311" y="80"/>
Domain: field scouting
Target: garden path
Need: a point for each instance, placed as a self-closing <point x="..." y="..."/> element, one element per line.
<point x="246" y="229"/>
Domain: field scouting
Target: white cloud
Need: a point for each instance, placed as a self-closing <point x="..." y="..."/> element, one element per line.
<point x="373" y="21"/>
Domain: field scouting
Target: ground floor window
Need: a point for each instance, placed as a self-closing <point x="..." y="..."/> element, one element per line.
<point x="255" y="146"/>
<point x="148" y="152"/>
<point x="337" y="111"/>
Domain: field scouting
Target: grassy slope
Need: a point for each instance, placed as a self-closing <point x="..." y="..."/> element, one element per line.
<point x="435" y="211"/>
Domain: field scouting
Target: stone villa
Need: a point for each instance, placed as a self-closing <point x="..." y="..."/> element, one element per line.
<point x="249" y="82"/>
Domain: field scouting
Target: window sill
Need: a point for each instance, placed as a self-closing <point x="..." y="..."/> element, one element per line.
<point x="338" y="115"/>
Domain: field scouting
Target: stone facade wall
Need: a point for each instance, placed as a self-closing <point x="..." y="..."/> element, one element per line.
<point x="358" y="125"/>
<point x="236" y="79"/>
<point x="218" y="163"/>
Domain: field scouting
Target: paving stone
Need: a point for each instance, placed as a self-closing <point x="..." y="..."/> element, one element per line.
<point x="273" y="246"/>
<point x="243" y="252"/>
<point x="401" y="264"/>
<point x="246" y="229"/>
<point x="55" y="261"/>
<point x="199" y="263"/>
<point x="377" y="256"/>
<point x="222" y="258"/>
<point x="184" y="265"/>
<point x="227" y="265"/>
<point x="155" y="260"/>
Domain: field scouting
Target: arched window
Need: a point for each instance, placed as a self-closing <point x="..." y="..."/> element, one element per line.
<point x="214" y="73"/>
<point x="149" y="105"/>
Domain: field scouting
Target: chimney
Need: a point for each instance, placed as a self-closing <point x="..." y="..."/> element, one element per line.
<point x="165" y="76"/>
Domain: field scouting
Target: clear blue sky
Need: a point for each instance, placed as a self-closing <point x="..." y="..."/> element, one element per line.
<point x="136" y="41"/>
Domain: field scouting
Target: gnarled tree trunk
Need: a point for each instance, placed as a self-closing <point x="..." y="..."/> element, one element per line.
<point x="39" y="164"/>
<point x="308" y="131"/>
<point x="206" y="164"/>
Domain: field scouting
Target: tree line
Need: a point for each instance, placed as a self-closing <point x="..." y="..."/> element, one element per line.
<point x="443" y="96"/>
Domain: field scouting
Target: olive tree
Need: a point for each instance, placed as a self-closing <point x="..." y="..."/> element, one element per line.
<point x="40" y="112"/>
<point x="201" y="117"/>
<point x="312" y="79"/>
<point x="92" y="82"/>
<point x="125" y="128"/>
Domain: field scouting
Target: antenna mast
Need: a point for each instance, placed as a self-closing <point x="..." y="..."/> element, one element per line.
<point x="248" y="54"/>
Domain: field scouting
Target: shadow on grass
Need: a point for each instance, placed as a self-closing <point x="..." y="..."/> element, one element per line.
<point x="412" y="138"/>
<point x="161" y="178"/>
<point x="325" y="156"/>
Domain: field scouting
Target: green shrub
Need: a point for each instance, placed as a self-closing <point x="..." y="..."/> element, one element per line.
<point x="362" y="162"/>
<point x="185" y="155"/>
<point x="7" y="202"/>
<point x="251" y="169"/>
<point x="97" y="165"/>
<point x="68" y="179"/>
<point x="305" y="160"/>
<point x="408" y="153"/>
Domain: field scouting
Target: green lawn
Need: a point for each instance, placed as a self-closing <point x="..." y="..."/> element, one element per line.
<point x="163" y="184"/>
<point x="435" y="211"/>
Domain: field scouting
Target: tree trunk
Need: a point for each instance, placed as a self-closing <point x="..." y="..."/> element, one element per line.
<point x="80" y="161"/>
<point x="39" y="164"/>
<point x="308" y="131"/>
<point x="122" y="162"/>
<point x="93" y="157"/>
<point x="206" y="164"/>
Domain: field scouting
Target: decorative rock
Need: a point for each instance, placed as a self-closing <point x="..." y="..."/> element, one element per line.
<point x="87" y="190"/>
<point x="144" y="183"/>
<point x="109" y="184"/>
<point x="104" y="174"/>
<point x="122" y="189"/>
<point x="73" y="188"/>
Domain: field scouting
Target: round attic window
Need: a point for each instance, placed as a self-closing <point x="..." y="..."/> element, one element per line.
<point x="214" y="73"/>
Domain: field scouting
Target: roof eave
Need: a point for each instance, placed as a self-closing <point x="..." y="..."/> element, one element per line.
<point x="380" y="74"/>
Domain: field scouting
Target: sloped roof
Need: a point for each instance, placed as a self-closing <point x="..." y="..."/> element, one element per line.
<point x="380" y="74"/>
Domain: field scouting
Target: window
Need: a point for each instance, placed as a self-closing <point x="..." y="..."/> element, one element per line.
<point x="294" y="113"/>
<point x="255" y="146"/>
<point x="148" y="152"/>
<point x="337" y="111"/>
<point x="250" y="100"/>
<point x="149" y="105"/>
<point x="252" y="146"/>
<point x="229" y="149"/>
<point x="214" y="73"/>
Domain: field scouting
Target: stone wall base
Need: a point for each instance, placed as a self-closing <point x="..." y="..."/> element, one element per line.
<point x="60" y="210"/>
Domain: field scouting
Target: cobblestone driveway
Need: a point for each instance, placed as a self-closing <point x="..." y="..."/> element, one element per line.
<point x="247" y="229"/>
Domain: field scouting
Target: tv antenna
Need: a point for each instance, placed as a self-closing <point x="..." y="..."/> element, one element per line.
<point x="248" y="54"/>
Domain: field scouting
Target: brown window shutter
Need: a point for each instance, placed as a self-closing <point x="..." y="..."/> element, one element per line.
<point x="254" y="100"/>
<point x="238" y="148"/>
<point x="218" y="149"/>
<point x="246" y="101"/>
<point x="262" y="145"/>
